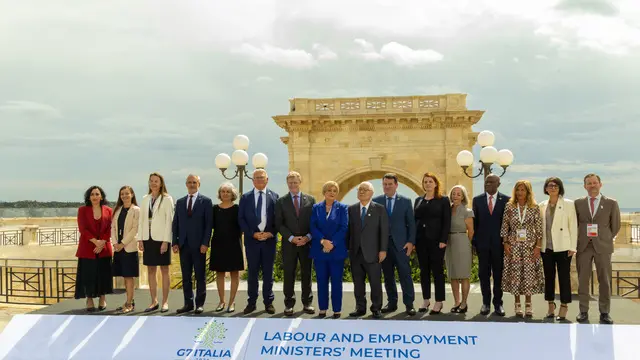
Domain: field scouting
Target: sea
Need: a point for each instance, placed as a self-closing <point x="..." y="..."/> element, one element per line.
<point x="64" y="212"/>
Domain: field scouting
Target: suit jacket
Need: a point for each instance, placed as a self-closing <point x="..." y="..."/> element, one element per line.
<point x="130" y="230"/>
<point x="89" y="229"/>
<point x="564" y="229"/>
<point x="288" y="224"/>
<point x="486" y="226"/>
<point x="195" y="230"/>
<point x="372" y="236"/>
<point x="333" y="228"/>
<point x="402" y="224"/>
<point x="161" y="222"/>
<point x="249" y="222"/>
<point x="608" y="220"/>
<point x="433" y="222"/>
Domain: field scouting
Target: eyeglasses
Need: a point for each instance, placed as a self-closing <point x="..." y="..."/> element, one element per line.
<point x="552" y="186"/>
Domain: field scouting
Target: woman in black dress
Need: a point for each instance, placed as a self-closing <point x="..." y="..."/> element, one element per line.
<point x="433" y="224"/>
<point x="123" y="237"/>
<point x="226" y="244"/>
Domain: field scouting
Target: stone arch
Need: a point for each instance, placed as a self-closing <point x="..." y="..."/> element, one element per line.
<point x="351" y="178"/>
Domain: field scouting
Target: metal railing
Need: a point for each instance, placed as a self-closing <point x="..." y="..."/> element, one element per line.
<point x="624" y="280"/>
<point x="58" y="236"/>
<point x="635" y="233"/>
<point x="37" y="282"/>
<point x="210" y="277"/>
<point x="11" y="238"/>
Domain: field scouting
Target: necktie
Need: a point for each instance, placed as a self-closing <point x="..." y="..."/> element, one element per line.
<point x="296" y="205"/>
<point x="389" y="206"/>
<point x="259" y="207"/>
<point x="364" y="212"/>
<point x="491" y="204"/>
<point x="190" y="207"/>
<point x="592" y="207"/>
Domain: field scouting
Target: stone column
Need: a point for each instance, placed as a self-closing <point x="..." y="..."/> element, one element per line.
<point x="624" y="235"/>
<point x="29" y="234"/>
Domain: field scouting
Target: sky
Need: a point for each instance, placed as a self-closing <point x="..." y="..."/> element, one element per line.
<point x="105" y="92"/>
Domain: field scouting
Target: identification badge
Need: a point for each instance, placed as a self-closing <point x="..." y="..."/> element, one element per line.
<point x="522" y="234"/>
<point x="592" y="230"/>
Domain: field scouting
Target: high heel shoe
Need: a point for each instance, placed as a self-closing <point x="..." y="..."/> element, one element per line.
<point x="563" y="309"/>
<point x="424" y="308"/>
<point x="528" y="309"/>
<point x="231" y="308"/>
<point x="455" y="309"/>
<point x="552" y="314"/>
<point x="436" y="312"/>
<point x="462" y="310"/>
<point x="518" y="309"/>
<point x="220" y="307"/>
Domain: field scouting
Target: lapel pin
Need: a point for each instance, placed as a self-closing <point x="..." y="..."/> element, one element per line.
<point x="368" y="214"/>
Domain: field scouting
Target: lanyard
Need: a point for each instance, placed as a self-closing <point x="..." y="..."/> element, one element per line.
<point x="522" y="216"/>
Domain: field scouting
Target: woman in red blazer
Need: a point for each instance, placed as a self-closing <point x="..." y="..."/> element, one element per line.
<point x="93" y="277"/>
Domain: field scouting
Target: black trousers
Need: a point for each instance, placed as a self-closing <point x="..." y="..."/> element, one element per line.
<point x="561" y="262"/>
<point x="361" y="269"/>
<point x="431" y="260"/>
<point x="191" y="260"/>
<point x="491" y="263"/>
<point x="291" y="255"/>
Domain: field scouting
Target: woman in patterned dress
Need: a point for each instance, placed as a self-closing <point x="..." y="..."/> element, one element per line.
<point x="522" y="238"/>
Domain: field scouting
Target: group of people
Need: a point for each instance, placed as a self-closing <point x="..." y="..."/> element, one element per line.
<point x="519" y="243"/>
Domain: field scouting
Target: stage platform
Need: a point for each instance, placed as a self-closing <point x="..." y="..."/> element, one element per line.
<point x="623" y="310"/>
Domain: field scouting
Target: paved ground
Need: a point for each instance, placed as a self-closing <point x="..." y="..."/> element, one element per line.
<point x="624" y="311"/>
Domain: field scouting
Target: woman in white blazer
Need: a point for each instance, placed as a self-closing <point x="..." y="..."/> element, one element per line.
<point x="155" y="236"/>
<point x="124" y="230"/>
<point x="559" y="241"/>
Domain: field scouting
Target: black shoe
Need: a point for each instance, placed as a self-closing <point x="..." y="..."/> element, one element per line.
<point x="322" y="315"/>
<point x="389" y="308"/>
<point x="499" y="311"/>
<point x="463" y="310"/>
<point x="410" y="311"/>
<point x="309" y="310"/>
<point x="288" y="312"/>
<point x="357" y="313"/>
<point x="184" y="309"/>
<point x="377" y="314"/>
<point x="152" y="308"/>
<point x="337" y="315"/>
<point x="455" y="309"/>
<point x="249" y="309"/>
<point x="582" y="317"/>
<point x="270" y="309"/>
<point x="199" y="310"/>
<point x="485" y="309"/>
<point x="606" y="319"/>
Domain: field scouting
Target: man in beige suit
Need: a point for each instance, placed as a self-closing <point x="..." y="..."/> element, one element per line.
<point x="598" y="224"/>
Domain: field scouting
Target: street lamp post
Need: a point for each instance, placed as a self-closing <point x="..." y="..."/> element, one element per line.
<point x="240" y="158"/>
<point x="488" y="156"/>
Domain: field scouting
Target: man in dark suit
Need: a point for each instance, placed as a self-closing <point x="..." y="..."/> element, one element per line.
<point x="488" y="209"/>
<point x="192" y="227"/>
<point x="256" y="215"/>
<point x="598" y="224"/>
<point x="402" y="239"/>
<point x="293" y="222"/>
<point x="367" y="241"/>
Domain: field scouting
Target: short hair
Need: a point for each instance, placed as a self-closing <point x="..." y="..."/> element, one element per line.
<point x="328" y="185"/>
<point x="531" y="202"/>
<point x="391" y="176"/>
<point x="367" y="184"/>
<point x="260" y="171"/>
<point x="557" y="181"/>
<point x="465" y="194"/>
<point x="590" y="175"/>
<point x="294" y="175"/>
<point x="234" y="191"/>
<point x="87" y="195"/>
<point x="195" y="176"/>
<point x="438" y="189"/>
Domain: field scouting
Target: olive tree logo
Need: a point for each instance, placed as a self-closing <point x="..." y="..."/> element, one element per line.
<point x="213" y="332"/>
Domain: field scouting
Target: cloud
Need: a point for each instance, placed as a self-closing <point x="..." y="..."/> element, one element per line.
<point x="290" y="58"/>
<point x="542" y="57"/>
<point x="28" y="108"/>
<point x="600" y="7"/>
<point x="567" y="166"/>
<point x="398" y="54"/>
<point x="264" y="79"/>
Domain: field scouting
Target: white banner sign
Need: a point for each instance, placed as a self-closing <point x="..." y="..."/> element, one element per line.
<point x="201" y="338"/>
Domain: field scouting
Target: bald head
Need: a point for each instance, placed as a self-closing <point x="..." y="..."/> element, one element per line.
<point x="492" y="183"/>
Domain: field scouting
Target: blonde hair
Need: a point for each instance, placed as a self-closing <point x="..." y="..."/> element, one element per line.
<point x="465" y="194"/>
<point x="531" y="202"/>
<point x="328" y="185"/>
<point x="294" y="175"/>
<point x="234" y="191"/>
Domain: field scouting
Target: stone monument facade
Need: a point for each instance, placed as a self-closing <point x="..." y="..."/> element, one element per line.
<point x="349" y="140"/>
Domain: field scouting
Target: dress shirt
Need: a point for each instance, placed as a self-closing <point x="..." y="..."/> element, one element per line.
<point x="596" y="203"/>
<point x="393" y="201"/>
<point x="364" y="206"/>
<point x="493" y="201"/>
<point x="263" y="211"/>
<point x="195" y="196"/>
<point x="293" y="200"/>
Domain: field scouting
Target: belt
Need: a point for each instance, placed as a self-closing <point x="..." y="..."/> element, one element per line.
<point x="458" y="232"/>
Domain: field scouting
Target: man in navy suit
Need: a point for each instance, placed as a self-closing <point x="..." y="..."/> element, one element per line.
<point x="488" y="209"/>
<point x="256" y="216"/>
<point x="192" y="226"/>
<point x="402" y="239"/>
